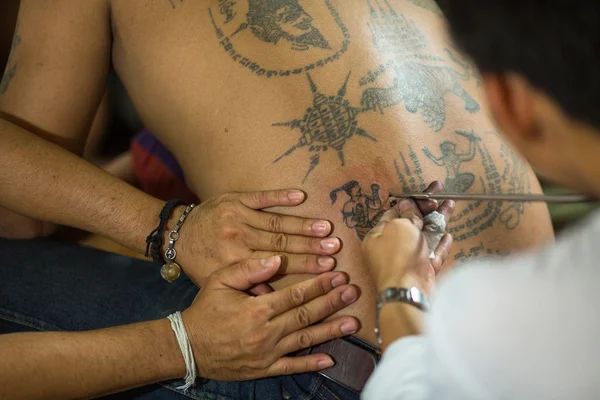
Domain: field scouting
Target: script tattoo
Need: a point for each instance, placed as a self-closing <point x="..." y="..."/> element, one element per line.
<point x="329" y="123"/>
<point x="420" y="81"/>
<point x="516" y="174"/>
<point x="281" y="23"/>
<point x="361" y="211"/>
<point x="411" y="179"/>
<point x="11" y="68"/>
<point x="480" y="252"/>
<point x="429" y="5"/>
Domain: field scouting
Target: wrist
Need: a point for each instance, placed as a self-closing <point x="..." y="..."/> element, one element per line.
<point x="169" y="360"/>
<point x="399" y="320"/>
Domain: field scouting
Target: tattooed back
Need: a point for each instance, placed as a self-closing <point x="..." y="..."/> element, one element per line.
<point x="347" y="100"/>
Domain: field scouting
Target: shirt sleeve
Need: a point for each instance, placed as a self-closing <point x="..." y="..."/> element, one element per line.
<point x="521" y="328"/>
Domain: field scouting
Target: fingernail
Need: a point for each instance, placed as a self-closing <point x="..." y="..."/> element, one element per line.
<point x="270" y="262"/>
<point x="339" y="280"/>
<point x="320" y="227"/>
<point x="348" y="295"/>
<point x="330" y="244"/>
<point x="348" y="328"/>
<point x="326" y="363"/>
<point x="325" y="262"/>
<point x="296" y="195"/>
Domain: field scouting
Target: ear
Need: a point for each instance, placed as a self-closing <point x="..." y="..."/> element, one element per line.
<point x="511" y="101"/>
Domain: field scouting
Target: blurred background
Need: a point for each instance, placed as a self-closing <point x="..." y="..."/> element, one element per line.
<point x="117" y="122"/>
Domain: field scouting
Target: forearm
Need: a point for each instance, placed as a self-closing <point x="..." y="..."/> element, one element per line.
<point x="43" y="181"/>
<point x="88" y="364"/>
<point x="399" y="320"/>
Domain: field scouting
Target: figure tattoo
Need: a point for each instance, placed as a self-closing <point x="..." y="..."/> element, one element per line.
<point x="329" y="123"/>
<point x="361" y="211"/>
<point x="421" y="81"/>
<point x="456" y="181"/>
<point x="281" y="23"/>
<point x="11" y="67"/>
<point x="459" y="166"/>
<point x="429" y="5"/>
<point x="469" y="68"/>
<point x="480" y="252"/>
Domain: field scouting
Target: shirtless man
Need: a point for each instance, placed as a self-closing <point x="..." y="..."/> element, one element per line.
<point x="258" y="95"/>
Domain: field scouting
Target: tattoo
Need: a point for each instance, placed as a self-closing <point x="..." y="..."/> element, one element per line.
<point x="480" y="252"/>
<point x="456" y="181"/>
<point x="475" y="217"/>
<point x="11" y="68"/>
<point x="329" y="123"/>
<point x="516" y="174"/>
<point x="279" y="23"/>
<point x="420" y="81"/>
<point x="429" y="5"/>
<point x="173" y="3"/>
<point x="470" y="70"/>
<point x="361" y="211"/>
<point x="411" y="179"/>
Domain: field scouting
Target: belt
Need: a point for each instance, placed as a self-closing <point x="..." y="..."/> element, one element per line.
<point x="354" y="360"/>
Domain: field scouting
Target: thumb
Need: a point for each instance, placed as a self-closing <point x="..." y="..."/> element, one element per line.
<point x="385" y="218"/>
<point x="248" y="273"/>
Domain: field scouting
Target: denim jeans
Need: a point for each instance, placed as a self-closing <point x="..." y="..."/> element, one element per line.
<point x="47" y="285"/>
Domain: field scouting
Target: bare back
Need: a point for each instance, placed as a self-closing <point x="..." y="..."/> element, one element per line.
<point x="348" y="100"/>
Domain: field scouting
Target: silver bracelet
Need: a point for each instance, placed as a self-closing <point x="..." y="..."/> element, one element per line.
<point x="412" y="296"/>
<point x="170" y="271"/>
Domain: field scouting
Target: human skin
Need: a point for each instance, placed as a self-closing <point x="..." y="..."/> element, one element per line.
<point x="198" y="86"/>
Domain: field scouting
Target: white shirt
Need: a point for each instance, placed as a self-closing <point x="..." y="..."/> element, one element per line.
<point x="521" y="328"/>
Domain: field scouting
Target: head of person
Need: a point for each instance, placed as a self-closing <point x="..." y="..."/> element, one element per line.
<point x="273" y="20"/>
<point x="540" y="64"/>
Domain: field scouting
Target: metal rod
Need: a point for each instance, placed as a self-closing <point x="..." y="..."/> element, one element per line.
<point x="565" y="198"/>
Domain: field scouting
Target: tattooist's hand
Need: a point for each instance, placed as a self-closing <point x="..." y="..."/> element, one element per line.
<point x="227" y="229"/>
<point x="235" y="336"/>
<point x="396" y="251"/>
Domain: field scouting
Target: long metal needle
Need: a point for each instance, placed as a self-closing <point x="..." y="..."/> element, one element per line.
<point x="565" y="198"/>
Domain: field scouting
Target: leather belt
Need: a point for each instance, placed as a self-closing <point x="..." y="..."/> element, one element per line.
<point x="354" y="359"/>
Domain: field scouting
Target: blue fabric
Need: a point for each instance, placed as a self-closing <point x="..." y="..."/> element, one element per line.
<point x="47" y="285"/>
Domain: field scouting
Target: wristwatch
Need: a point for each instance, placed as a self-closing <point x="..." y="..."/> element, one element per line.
<point x="411" y="296"/>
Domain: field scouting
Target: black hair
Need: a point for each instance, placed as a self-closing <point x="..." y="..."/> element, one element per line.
<point x="554" y="44"/>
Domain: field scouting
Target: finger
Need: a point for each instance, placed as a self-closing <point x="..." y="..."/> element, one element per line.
<point x="317" y="334"/>
<point x="388" y="216"/>
<point x="431" y="205"/>
<point x="271" y="222"/>
<point x="283" y="243"/>
<point x="297" y="295"/>
<point x="300" y="365"/>
<point x="246" y="274"/>
<point x="442" y="252"/>
<point x="447" y="209"/>
<point x="261" y="288"/>
<point x="272" y="198"/>
<point x="408" y="209"/>
<point x="317" y="309"/>
<point x="299" y="263"/>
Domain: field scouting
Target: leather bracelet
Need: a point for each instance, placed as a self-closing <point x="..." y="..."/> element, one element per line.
<point x="154" y="240"/>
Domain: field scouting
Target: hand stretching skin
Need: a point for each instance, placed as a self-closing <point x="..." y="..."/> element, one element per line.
<point x="230" y="228"/>
<point x="234" y="337"/>
<point x="397" y="254"/>
<point x="45" y="182"/>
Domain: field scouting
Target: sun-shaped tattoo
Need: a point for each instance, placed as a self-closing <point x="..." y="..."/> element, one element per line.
<point x="330" y="122"/>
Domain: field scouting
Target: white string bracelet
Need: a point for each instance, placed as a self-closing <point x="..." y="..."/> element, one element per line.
<point x="186" y="349"/>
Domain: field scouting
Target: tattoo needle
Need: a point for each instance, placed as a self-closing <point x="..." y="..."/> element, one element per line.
<point x="565" y="198"/>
